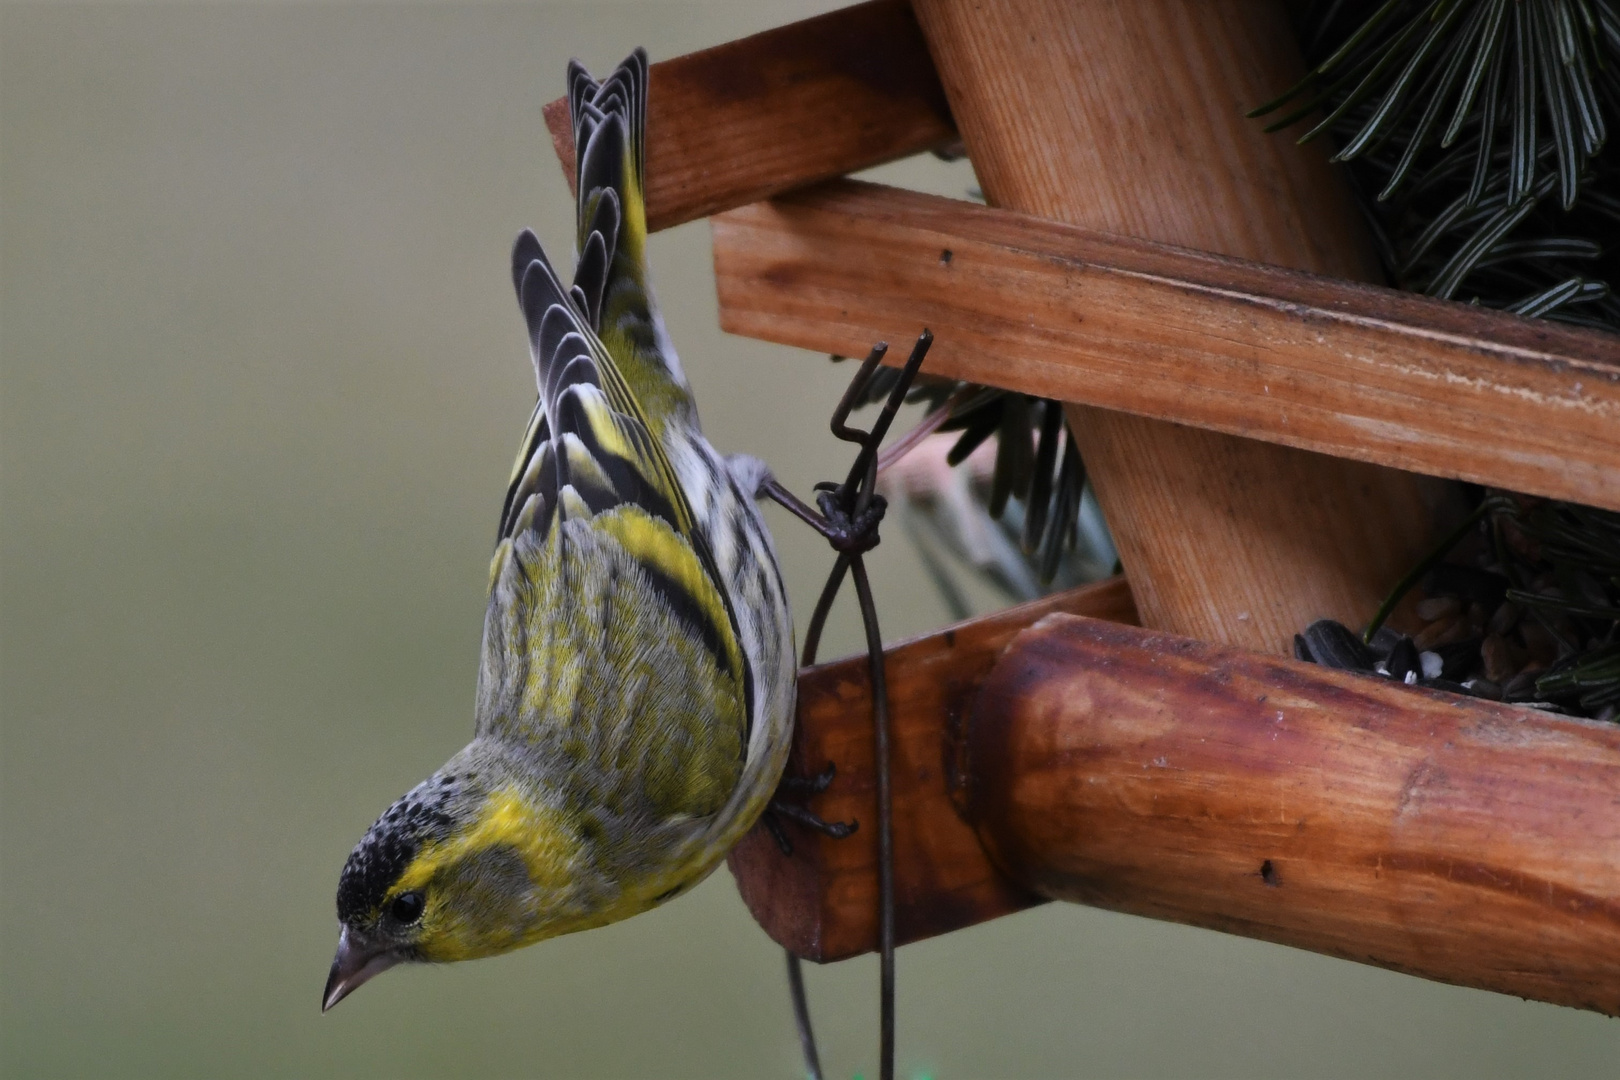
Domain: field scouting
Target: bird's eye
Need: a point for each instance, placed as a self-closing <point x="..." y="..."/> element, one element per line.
<point x="407" y="907"/>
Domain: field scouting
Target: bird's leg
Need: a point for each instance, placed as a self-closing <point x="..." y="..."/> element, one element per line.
<point x="849" y="534"/>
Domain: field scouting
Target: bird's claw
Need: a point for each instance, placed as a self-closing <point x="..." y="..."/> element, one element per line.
<point x="851" y="534"/>
<point x="780" y="808"/>
<point x="838" y="830"/>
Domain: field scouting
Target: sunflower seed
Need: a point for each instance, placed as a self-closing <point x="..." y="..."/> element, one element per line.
<point x="1384" y="642"/>
<point x="1403" y="660"/>
<point x="1334" y="646"/>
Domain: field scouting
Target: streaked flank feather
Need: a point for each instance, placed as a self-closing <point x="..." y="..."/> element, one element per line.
<point x="635" y="696"/>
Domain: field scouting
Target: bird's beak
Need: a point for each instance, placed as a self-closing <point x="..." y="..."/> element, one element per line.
<point x="354" y="965"/>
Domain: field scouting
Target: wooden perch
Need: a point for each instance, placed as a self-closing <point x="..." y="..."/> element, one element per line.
<point x="1448" y="837"/>
<point x="1452" y="838"/>
<point x="1349" y="370"/>
<point x="822" y="902"/>
<point x="816" y="99"/>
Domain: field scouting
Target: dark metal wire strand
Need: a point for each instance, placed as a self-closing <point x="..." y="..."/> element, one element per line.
<point x="854" y="496"/>
<point x="801" y="1017"/>
<point x="801" y="1003"/>
<point x="818" y="618"/>
<point x="880" y="715"/>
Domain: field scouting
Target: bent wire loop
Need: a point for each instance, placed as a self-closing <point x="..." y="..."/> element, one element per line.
<point x="848" y="518"/>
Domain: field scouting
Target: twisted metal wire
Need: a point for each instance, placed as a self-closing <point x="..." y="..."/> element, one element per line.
<point x="851" y="500"/>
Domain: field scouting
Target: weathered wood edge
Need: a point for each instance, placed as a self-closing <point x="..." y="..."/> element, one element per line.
<point x="804" y="102"/>
<point x="1448" y="837"/>
<point x="1345" y="369"/>
<point x="822" y="902"/>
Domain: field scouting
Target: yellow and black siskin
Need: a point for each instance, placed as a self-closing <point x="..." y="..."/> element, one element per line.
<point x="635" y="696"/>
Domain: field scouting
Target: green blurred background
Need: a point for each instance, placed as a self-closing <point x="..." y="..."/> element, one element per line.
<point x="262" y="378"/>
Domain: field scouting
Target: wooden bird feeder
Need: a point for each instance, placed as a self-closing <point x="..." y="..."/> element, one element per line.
<point x="1263" y="429"/>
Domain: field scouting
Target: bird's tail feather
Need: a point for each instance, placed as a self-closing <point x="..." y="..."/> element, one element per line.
<point x="611" y="282"/>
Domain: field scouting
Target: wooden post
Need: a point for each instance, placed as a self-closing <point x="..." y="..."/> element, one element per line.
<point x="1448" y="837"/>
<point x="1128" y="117"/>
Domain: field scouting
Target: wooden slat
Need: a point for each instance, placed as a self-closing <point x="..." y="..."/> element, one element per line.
<point x="809" y="101"/>
<point x="822" y="901"/>
<point x="1349" y="370"/>
<point x="1449" y="837"/>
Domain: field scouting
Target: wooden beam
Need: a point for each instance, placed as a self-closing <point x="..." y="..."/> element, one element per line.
<point x="809" y="101"/>
<point x="1448" y="837"/>
<point x="1350" y="370"/>
<point x="822" y="901"/>
<point x="1127" y="117"/>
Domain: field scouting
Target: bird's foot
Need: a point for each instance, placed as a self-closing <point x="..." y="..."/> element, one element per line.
<point x="781" y="808"/>
<point x="850" y="533"/>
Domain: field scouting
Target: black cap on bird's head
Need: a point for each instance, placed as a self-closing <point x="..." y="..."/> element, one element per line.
<point x="376" y="918"/>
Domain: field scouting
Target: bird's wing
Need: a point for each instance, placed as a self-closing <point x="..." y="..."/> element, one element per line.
<point x="586" y="404"/>
<point x="610" y="635"/>
<point x="598" y="555"/>
<point x="611" y="282"/>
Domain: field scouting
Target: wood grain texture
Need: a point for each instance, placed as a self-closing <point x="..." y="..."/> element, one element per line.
<point x="1349" y="370"/>
<point x="1452" y="838"/>
<point x="809" y="101"/>
<point x="822" y="901"/>
<point x="1127" y="115"/>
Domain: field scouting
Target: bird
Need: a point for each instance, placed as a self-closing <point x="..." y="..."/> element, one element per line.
<point x="635" y="693"/>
